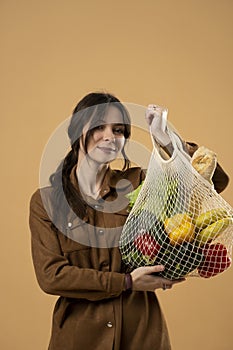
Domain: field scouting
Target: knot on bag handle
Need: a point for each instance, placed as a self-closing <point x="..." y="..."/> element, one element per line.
<point x="176" y="142"/>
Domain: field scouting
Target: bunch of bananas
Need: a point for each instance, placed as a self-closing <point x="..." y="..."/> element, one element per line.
<point x="211" y="224"/>
<point x="205" y="228"/>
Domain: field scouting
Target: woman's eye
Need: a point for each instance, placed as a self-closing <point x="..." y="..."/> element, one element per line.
<point x="118" y="131"/>
<point x="99" y="127"/>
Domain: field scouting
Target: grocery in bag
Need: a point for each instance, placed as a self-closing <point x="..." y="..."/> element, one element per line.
<point x="177" y="218"/>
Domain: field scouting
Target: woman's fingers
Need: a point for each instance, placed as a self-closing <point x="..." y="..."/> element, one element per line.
<point x="144" y="279"/>
<point x="168" y="284"/>
<point x="151" y="112"/>
<point x="156" y="117"/>
<point x="153" y="269"/>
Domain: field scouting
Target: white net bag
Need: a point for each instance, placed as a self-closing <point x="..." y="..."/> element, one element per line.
<point x="178" y="220"/>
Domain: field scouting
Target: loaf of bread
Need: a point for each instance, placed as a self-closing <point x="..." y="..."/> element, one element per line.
<point x="204" y="161"/>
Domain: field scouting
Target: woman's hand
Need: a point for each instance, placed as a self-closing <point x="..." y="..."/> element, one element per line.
<point x="144" y="280"/>
<point x="156" y="119"/>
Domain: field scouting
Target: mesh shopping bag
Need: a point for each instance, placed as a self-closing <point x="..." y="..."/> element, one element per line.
<point x="178" y="220"/>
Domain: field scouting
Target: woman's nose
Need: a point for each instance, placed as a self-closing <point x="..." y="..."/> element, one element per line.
<point x="108" y="134"/>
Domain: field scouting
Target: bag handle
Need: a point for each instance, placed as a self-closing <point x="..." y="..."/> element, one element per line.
<point x="174" y="137"/>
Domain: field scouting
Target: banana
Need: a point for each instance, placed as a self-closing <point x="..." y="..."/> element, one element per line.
<point x="210" y="217"/>
<point x="213" y="231"/>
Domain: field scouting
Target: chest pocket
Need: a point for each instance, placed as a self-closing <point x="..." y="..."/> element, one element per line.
<point x="121" y="217"/>
<point x="75" y="235"/>
<point x="74" y="242"/>
<point x="108" y="235"/>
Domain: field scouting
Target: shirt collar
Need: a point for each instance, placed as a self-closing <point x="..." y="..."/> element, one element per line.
<point x="113" y="179"/>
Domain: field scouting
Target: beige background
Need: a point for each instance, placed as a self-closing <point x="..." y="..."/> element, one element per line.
<point x="175" y="53"/>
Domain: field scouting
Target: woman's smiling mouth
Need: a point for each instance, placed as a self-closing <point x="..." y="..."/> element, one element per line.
<point x="107" y="149"/>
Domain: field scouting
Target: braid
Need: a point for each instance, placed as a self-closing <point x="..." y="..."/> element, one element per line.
<point x="63" y="190"/>
<point x="74" y="200"/>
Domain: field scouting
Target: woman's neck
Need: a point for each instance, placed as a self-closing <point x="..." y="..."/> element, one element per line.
<point x="90" y="176"/>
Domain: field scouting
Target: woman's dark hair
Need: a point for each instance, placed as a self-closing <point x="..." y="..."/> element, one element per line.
<point x="89" y="111"/>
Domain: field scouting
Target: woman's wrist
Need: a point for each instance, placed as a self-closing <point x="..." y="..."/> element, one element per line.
<point x="128" y="282"/>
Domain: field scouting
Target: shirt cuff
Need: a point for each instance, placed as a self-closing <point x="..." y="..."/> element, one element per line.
<point x="128" y="282"/>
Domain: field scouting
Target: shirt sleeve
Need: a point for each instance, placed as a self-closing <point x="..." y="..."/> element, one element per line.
<point x="55" y="274"/>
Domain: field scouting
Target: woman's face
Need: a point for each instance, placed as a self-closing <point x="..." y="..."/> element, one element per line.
<point x="107" y="139"/>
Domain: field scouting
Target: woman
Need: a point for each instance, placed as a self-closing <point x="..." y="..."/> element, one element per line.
<point x="75" y="225"/>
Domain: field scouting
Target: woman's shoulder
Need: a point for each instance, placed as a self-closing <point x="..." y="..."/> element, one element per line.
<point x="41" y="199"/>
<point x="40" y="192"/>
